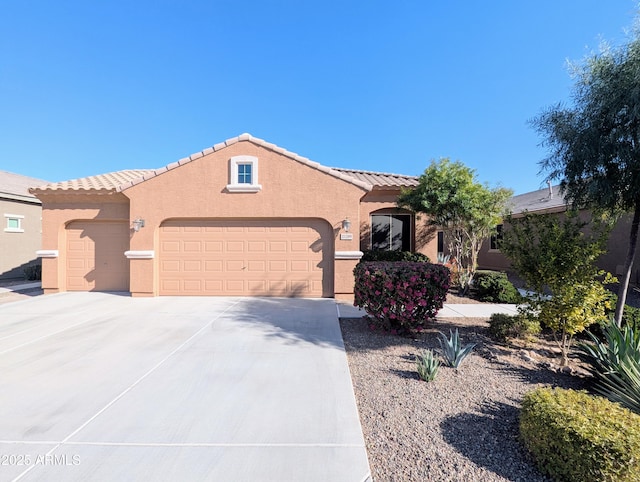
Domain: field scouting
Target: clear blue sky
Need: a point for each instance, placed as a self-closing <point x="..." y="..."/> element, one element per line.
<point x="88" y="87"/>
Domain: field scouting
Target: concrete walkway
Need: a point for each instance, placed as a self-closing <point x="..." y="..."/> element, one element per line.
<point x="467" y="310"/>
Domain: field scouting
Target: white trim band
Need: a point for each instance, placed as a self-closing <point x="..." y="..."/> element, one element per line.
<point x="348" y="254"/>
<point x="47" y="253"/>
<point x="139" y="254"/>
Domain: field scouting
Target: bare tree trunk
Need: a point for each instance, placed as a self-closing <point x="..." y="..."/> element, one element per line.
<point x="628" y="265"/>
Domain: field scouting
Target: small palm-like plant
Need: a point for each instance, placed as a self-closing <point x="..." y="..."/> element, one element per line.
<point x="452" y="350"/>
<point x="427" y="365"/>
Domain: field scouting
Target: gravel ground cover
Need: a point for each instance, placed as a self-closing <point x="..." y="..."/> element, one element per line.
<point x="461" y="427"/>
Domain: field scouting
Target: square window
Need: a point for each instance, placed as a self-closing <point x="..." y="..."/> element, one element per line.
<point x="14" y="223"/>
<point x="244" y="174"/>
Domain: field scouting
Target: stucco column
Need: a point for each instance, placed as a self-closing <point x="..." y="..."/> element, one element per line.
<point x="345" y="261"/>
<point x="142" y="257"/>
<point x="49" y="259"/>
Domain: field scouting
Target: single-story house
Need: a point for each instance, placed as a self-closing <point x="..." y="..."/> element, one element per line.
<point x="21" y="234"/>
<point x="244" y="217"/>
<point x="551" y="200"/>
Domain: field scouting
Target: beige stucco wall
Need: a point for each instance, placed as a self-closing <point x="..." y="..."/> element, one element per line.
<point x="61" y="209"/>
<point x="19" y="248"/>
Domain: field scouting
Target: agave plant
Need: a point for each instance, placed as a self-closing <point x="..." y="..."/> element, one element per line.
<point x="615" y="364"/>
<point x="427" y="365"/>
<point x="443" y="258"/>
<point x="452" y="350"/>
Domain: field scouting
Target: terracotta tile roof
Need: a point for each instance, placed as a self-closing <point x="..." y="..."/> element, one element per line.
<point x="16" y="186"/>
<point x="537" y="201"/>
<point x="110" y="182"/>
<point x="122" y="180"/>
<point x="381" y="179"/>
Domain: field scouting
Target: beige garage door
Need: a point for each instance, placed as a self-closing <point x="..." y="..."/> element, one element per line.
<point x="246" y="258"/>
<point x="95" y="256"/>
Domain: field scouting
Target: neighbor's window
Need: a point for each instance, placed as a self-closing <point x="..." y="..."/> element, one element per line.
<point x="13" y="223"/>
<point x="391" y="232"/>
<point x="243" y="174"/>
<point x="496" y="237"/>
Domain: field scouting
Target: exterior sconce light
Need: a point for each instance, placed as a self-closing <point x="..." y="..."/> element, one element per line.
<point x="346" y="224"/>
<point x="137" y="224"/>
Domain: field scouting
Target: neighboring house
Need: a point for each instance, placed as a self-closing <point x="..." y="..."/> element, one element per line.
<point x="244" y="217"/>
<point x="551" y="200"/>
<point x="21" y="213"/>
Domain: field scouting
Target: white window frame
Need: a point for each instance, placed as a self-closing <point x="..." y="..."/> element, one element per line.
<point x="234" y="185"/>
<point x="8" y="229"/>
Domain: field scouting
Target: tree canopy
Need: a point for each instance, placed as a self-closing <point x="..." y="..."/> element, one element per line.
<point x="554" y="254"/>
<point x="467" y="210"/>
<point x="594" y="145"/>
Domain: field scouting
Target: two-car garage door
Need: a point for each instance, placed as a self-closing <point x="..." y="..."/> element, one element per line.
<point x="246" y="257"/>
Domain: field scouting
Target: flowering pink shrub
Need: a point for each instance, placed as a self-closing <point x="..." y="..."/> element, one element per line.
<point x="399" y="296"/>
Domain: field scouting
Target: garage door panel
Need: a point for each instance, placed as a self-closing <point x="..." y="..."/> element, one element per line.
<point x="192" y="285"/>
<point x="235" y="246"/>
<point x="213" y="265"/>
<point x="278" y="265"/>
<point x="171" y="246"/>
<point x="193" y="265"/>
<point x="213" y="285"/>
<point x="246" y="257"/>
<point x="257" y="266"/>
<point x="192" y="247"/>
<point x="298" y="265"/>
<point x="213" y="246"/>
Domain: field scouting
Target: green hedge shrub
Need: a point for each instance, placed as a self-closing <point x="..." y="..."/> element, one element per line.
<point x="574" y="436"/>
<point x="503" y="326"/>
<point x="379" y="255"/>
<point x="401" y="295"/>
<point x="495" y="287"/>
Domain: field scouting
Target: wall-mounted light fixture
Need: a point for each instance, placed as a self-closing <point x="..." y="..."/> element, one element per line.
<point x="346" y="224"/>
<point x="137" y="224"/>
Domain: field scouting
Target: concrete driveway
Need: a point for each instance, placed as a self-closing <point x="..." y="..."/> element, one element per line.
<point x="98" y="386"/>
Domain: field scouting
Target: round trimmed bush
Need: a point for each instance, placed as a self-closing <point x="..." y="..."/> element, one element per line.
<point x="495" y="287"/>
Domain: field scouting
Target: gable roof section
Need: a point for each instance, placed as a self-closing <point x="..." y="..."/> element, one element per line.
<point x="122" y="180"/>
<point x="536" y="201"/>
<point x="16" y="187"/>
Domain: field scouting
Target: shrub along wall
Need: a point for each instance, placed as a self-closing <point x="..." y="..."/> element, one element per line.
<point x="400" y="295"/>
<point x="380" y="255"/>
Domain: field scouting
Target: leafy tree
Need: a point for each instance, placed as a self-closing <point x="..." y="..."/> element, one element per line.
<point x="555" y="256"/>
<point x="467" y="210"/>
<point x="595" y="144"/>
